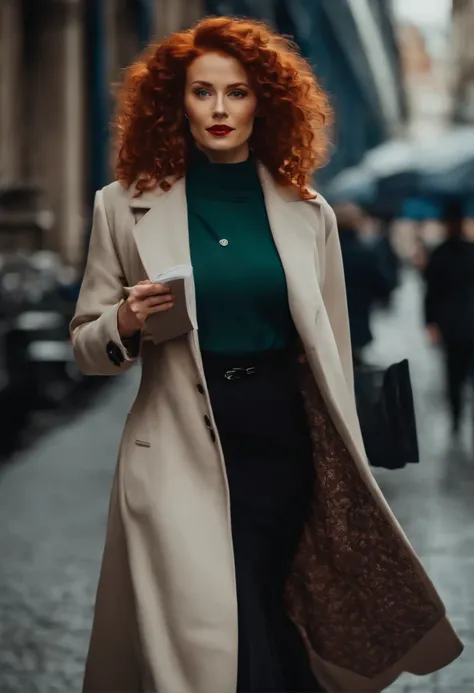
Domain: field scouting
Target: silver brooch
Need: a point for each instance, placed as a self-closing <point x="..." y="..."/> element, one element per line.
<point x="224" y="242"/>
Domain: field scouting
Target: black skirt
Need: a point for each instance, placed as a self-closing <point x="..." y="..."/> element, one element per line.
<point x="263" y="428"/>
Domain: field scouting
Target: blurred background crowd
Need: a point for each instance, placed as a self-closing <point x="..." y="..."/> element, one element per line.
<point x="400" y="74"/>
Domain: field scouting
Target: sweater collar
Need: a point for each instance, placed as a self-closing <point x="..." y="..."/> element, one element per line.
<point x="223" y="182"/>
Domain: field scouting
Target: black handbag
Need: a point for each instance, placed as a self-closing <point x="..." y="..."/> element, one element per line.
<point x="384" y="399"/>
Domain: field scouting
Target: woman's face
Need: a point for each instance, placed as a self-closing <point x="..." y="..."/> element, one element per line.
<point x="220" y="106"/>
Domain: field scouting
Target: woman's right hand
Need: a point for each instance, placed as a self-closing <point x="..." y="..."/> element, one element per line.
<point x="144" y="299"/>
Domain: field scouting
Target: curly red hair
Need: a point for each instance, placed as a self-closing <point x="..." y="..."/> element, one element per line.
<point x="289" y="137"/>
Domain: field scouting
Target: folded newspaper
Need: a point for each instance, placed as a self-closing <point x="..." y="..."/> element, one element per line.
<point x="173" y="274"/>
<point x="177" y="320"/>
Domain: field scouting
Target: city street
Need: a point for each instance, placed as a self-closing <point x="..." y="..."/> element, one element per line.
<point x="53" y="506"/>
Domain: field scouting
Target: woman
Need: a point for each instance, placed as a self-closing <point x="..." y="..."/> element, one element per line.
<point x="238" y="484"/>
<point x="449" y="306"/>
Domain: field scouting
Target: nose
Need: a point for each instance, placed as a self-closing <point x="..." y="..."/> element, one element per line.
<point x="219" y="111"/>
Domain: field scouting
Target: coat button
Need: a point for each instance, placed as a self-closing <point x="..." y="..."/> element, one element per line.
<point x="213" y="436"/>
<point x="114" y="353"/>
<point x="207" y="421"/>
<point x="200" y="389"/>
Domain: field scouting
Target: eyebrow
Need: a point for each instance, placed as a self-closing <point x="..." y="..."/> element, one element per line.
<point x="229" y="86"/>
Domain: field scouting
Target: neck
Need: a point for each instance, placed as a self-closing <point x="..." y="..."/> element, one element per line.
<point x="231" y="156"/>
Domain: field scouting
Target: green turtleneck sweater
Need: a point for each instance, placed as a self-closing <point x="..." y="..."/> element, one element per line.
<point x="241" y="294"/>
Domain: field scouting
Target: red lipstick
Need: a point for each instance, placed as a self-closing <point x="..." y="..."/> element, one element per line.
<point x="220" y="130"/>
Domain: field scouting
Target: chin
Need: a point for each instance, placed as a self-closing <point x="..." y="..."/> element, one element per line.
<point x="223" y="147"/>
<point x="222" y="144"/>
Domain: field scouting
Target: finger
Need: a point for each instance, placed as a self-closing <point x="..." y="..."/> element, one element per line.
<point x="144" y="305"/>
<point x="161" y="307"/>
<point x="143" y="290"/>
<point x="156" y="300"/>
<point x="129" y="289"/>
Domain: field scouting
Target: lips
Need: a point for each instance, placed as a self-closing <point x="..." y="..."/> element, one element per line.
<point x="220" y="130"/>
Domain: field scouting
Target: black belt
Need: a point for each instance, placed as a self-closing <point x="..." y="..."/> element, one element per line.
<point x="238" y="373"/>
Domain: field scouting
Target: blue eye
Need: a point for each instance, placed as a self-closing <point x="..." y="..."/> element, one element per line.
<point x="202" y="93"/>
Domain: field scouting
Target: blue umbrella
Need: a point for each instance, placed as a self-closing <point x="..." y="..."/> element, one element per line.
<point x="394" y="165"/>
<point x="447" y="165"/>
<point x="421" y="208"/>
<point x="469" y="206"/>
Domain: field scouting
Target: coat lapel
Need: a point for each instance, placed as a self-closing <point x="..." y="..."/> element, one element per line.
<point x="161" y="235"/>
<point x="292" y="222"/>
<point x="295" y="226"/>
<point x="162" y="240"/>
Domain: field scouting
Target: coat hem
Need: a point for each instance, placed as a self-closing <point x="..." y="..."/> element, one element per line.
<point x="422" y="659"/>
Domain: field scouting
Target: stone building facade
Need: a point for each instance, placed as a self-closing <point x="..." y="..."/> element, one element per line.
<point x="48" y="97"/>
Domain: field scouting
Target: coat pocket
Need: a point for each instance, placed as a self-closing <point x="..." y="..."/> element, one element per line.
<point x="142" y="443"/>
<point x="136" y="461"/>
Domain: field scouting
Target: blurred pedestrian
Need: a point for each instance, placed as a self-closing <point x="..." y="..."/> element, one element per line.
<point x="449" y="306"/>
<point x="248" y="546"/>
<point x="389" y="260"/>
<point x="368" y="278"/>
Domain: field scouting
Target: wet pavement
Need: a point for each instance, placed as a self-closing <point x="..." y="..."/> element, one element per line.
<point x="433" y="501"/>
<point x="53" y="506"/>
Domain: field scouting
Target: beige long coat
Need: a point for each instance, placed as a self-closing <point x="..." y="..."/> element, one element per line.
<point x="166" y="612"/>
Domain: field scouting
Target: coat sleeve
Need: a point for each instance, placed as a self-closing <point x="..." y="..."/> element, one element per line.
<point x="334" y="296"/>
<point x="98" y="348"/>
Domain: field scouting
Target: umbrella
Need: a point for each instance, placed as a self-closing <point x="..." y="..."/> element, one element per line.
<point x="422" y="208"/>
<point x="394" y="164"/>
<point x="394" y="157"/>
<point x="446" y="166"/>
<point x="355" y="184"/>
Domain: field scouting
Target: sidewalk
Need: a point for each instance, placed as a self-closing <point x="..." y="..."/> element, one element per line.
<point x="433" y="501"/>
